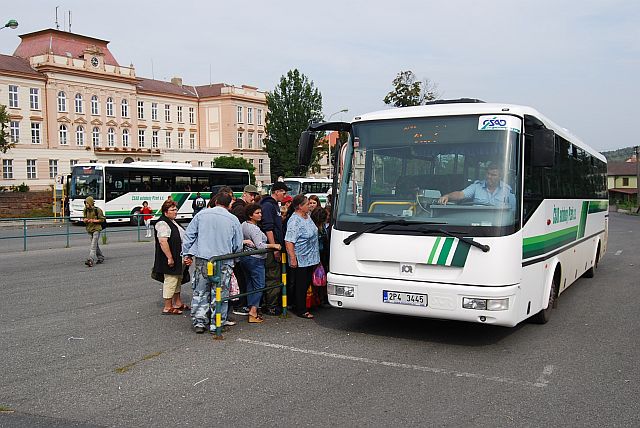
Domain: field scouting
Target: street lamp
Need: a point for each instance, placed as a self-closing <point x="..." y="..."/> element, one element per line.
<point x="12" y="23"/>
<point x="344" y="110"/>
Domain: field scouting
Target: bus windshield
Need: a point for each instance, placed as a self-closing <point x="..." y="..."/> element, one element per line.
<point x="460" y="172"/>
<point x="87" y="181"/>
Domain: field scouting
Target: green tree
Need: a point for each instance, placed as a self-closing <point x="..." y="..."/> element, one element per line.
<point x="5" y="142"/>
<point x="408" y="91"/>
<point x="292" y="105"/>
<point x="237" y="163"/>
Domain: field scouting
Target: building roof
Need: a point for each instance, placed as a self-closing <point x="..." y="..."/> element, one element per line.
<point x="62" y="43"/>
<point x="151" y="85"/>
<point x="621" y="168"/>
<point x="213" y="90"/>
<point x="10" y="63"/>
<point x="625" y="190"/>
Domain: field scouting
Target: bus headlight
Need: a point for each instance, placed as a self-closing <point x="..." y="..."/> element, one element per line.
<point x="341" y="290"/>
<point x="485" y="304"/>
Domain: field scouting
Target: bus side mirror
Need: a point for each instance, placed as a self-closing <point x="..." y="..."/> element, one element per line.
<point x="543" y="150"/>
<point x="305" y="148"/>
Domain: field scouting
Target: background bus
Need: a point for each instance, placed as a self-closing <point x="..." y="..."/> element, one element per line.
<point x="309" y="186"/>
<point x="120" y="189"/>
<point x="396" y="249"/>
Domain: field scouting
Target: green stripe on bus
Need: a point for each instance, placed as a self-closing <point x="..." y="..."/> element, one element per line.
<point x="598" y="206"/>
<point x="446" y="247"/>
<point x="460" y="255"/>
<point x="537" y="245"/>
<point x="433" y="251"/>
<point x="583" y="219"/>
<point x="180" y="198"/>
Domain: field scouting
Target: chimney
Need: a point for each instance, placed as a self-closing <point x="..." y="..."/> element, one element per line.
<point x="176" y="81"/>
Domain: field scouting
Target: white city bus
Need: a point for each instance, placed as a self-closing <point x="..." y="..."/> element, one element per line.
<point x="500" y="259"/>
<point x="309" y="186"/>
<point x="120" y="189"/>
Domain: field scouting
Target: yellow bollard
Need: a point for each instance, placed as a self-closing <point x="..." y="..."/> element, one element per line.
<point x="209" y="268"/>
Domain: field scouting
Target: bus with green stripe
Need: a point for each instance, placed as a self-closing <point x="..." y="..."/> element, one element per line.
<point x="120" y="189"/>
<point x="464" y="210"/>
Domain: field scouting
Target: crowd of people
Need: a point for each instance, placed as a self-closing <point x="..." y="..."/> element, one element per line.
<point x="294" y="226"/>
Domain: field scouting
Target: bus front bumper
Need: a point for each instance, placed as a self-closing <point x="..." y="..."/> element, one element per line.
<point x="497" y="305"/>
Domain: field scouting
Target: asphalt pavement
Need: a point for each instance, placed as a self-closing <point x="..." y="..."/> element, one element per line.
<point x="89" y="347"/>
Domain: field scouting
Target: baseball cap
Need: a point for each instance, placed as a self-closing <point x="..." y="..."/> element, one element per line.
<point x="250" y="188"/>
<point x="279" y="185"/>
<point x="287" y="198"/>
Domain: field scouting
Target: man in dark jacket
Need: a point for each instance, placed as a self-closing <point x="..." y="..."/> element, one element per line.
<point x="93" y="218"/>
<point x="272" y="227"/>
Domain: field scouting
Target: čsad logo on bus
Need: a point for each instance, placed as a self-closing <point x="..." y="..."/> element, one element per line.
<point x="499" y="123"/>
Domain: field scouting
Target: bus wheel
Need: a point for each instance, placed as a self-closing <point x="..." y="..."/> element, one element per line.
<point x="135" y="217"/>
<point x="591" y="272"/>
<point x="544" y="315"/>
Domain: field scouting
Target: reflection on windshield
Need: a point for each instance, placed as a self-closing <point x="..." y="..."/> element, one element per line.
<point x="449" y="170"/>
<point x="87" y="182"/>
<point x="294" y="186"/>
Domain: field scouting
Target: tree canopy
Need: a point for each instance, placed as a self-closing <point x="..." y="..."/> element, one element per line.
<point x="292" y="105"/>
<point x="237" y="163"/>
<point x="5" y="140"/>
<point x="408" y="91"/>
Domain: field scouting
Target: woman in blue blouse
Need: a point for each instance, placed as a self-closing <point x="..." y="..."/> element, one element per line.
<point x="301" y="242"/>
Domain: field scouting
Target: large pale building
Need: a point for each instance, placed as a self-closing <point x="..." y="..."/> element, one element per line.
<point x="70" y="101"/>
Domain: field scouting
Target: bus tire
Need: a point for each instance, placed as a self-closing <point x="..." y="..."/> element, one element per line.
<point x="135" y="217"/>
<point x="544" y="315"/>
<point x="591" y="272"/>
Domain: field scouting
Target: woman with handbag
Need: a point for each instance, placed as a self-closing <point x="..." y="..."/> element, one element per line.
<point x="169" y="235"/>
<point x="301" y="242"/>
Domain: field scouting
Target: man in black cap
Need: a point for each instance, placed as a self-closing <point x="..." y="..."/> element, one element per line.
<point x="272" y="227"/>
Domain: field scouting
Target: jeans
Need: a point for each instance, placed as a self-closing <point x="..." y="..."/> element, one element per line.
<point x="202" y="304"/>
<point x="95" y="254"/>
<point x="255" y="276"/>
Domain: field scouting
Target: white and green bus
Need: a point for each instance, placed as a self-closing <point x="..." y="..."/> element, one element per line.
<point x="309" y="186"/>
<point x="120" y="189"/>
<point x="464" y="210"/>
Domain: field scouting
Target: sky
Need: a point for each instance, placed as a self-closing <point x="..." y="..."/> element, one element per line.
<point x="575" y="61"/>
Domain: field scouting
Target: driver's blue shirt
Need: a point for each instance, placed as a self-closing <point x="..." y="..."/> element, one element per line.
<point x="502" y="196"/>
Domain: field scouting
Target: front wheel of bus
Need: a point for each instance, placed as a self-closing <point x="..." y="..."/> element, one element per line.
<point x="135" y="217"/>
<point x="544" y="315"/>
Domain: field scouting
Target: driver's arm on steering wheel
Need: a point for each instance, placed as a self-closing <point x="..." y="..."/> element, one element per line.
<point x="451" y="197"/>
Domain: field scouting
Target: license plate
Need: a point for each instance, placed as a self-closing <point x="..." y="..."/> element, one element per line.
<point x="402" y="298"/>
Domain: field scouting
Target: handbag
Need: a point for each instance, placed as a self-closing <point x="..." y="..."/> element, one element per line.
<point x="234" y="288"/>
<point x="319" y="278"/>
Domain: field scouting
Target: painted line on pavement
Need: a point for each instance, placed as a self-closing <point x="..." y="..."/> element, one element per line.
<point x="541" y="382"/>
<point x="618" y="252"/>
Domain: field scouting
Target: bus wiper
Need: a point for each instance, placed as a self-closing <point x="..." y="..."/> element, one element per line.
<point x="381" y="225"/>
<point x="484" y="248"/>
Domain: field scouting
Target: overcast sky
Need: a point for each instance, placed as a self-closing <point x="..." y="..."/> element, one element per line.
<point x="576" y="61"/>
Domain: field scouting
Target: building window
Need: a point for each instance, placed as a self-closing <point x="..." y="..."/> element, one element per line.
<point x="109" y="106"/>
<point x="625" y="181"/>
<point x="179" y="114"/>
<point x="63" y="135"/>
<point x="167" y="139"/>
<point x="250" y="115"/>
<point x="192" y="141"/>
<point x="154" y="139"/>
<point x="111" y="137"/>
<point x="13" y="96"/>
<point x="14" y="131"/>
<point x="95" y="111"/>
<point x="239" y="139"/>
<point x="154" y="111"/>
<point x="95" y="136"/>
<point x="53" y="168"/>
<point x="72" y="163"/>
<point x="239" y="114"/>
<point x="34" y="98"/>
<point x="125" y="138"/>
<point x="124" y="108"/>
<point x="167" y="113"/>
<point x="140" y="137"/>
<point x="111" y="162"/>
<point x="200" y="163"/>
<point x="260" y="166"/>
<point x="7" y="169"/>
<point x="31" y="169"/>
<point x="80" y="135"/>
<point x="79" y="104"/>
<point x="213" y="163"/>
<point x="260" y="141"/>
<point x="259" y="116"/>
<point x="35" y="133"/>
<point x="250" y="140"/>
<point x="140" y="109"/>
<point x="62" y="102"/>
<point x="181" y="140"/>
<point x="192" y="116"/>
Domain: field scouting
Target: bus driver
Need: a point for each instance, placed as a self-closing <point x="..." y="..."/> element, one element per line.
<point x="491" y="191"/>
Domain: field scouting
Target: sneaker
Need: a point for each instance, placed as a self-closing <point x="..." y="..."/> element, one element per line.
<point x="100" y="261"/>
<point x="199" y="329"/>
<point x="89" y="263"/>
<point x="229" y="323"/>
<point x="241" y="311"/>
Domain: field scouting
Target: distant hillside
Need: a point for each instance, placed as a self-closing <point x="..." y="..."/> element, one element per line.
<point x="619" y="155"/>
